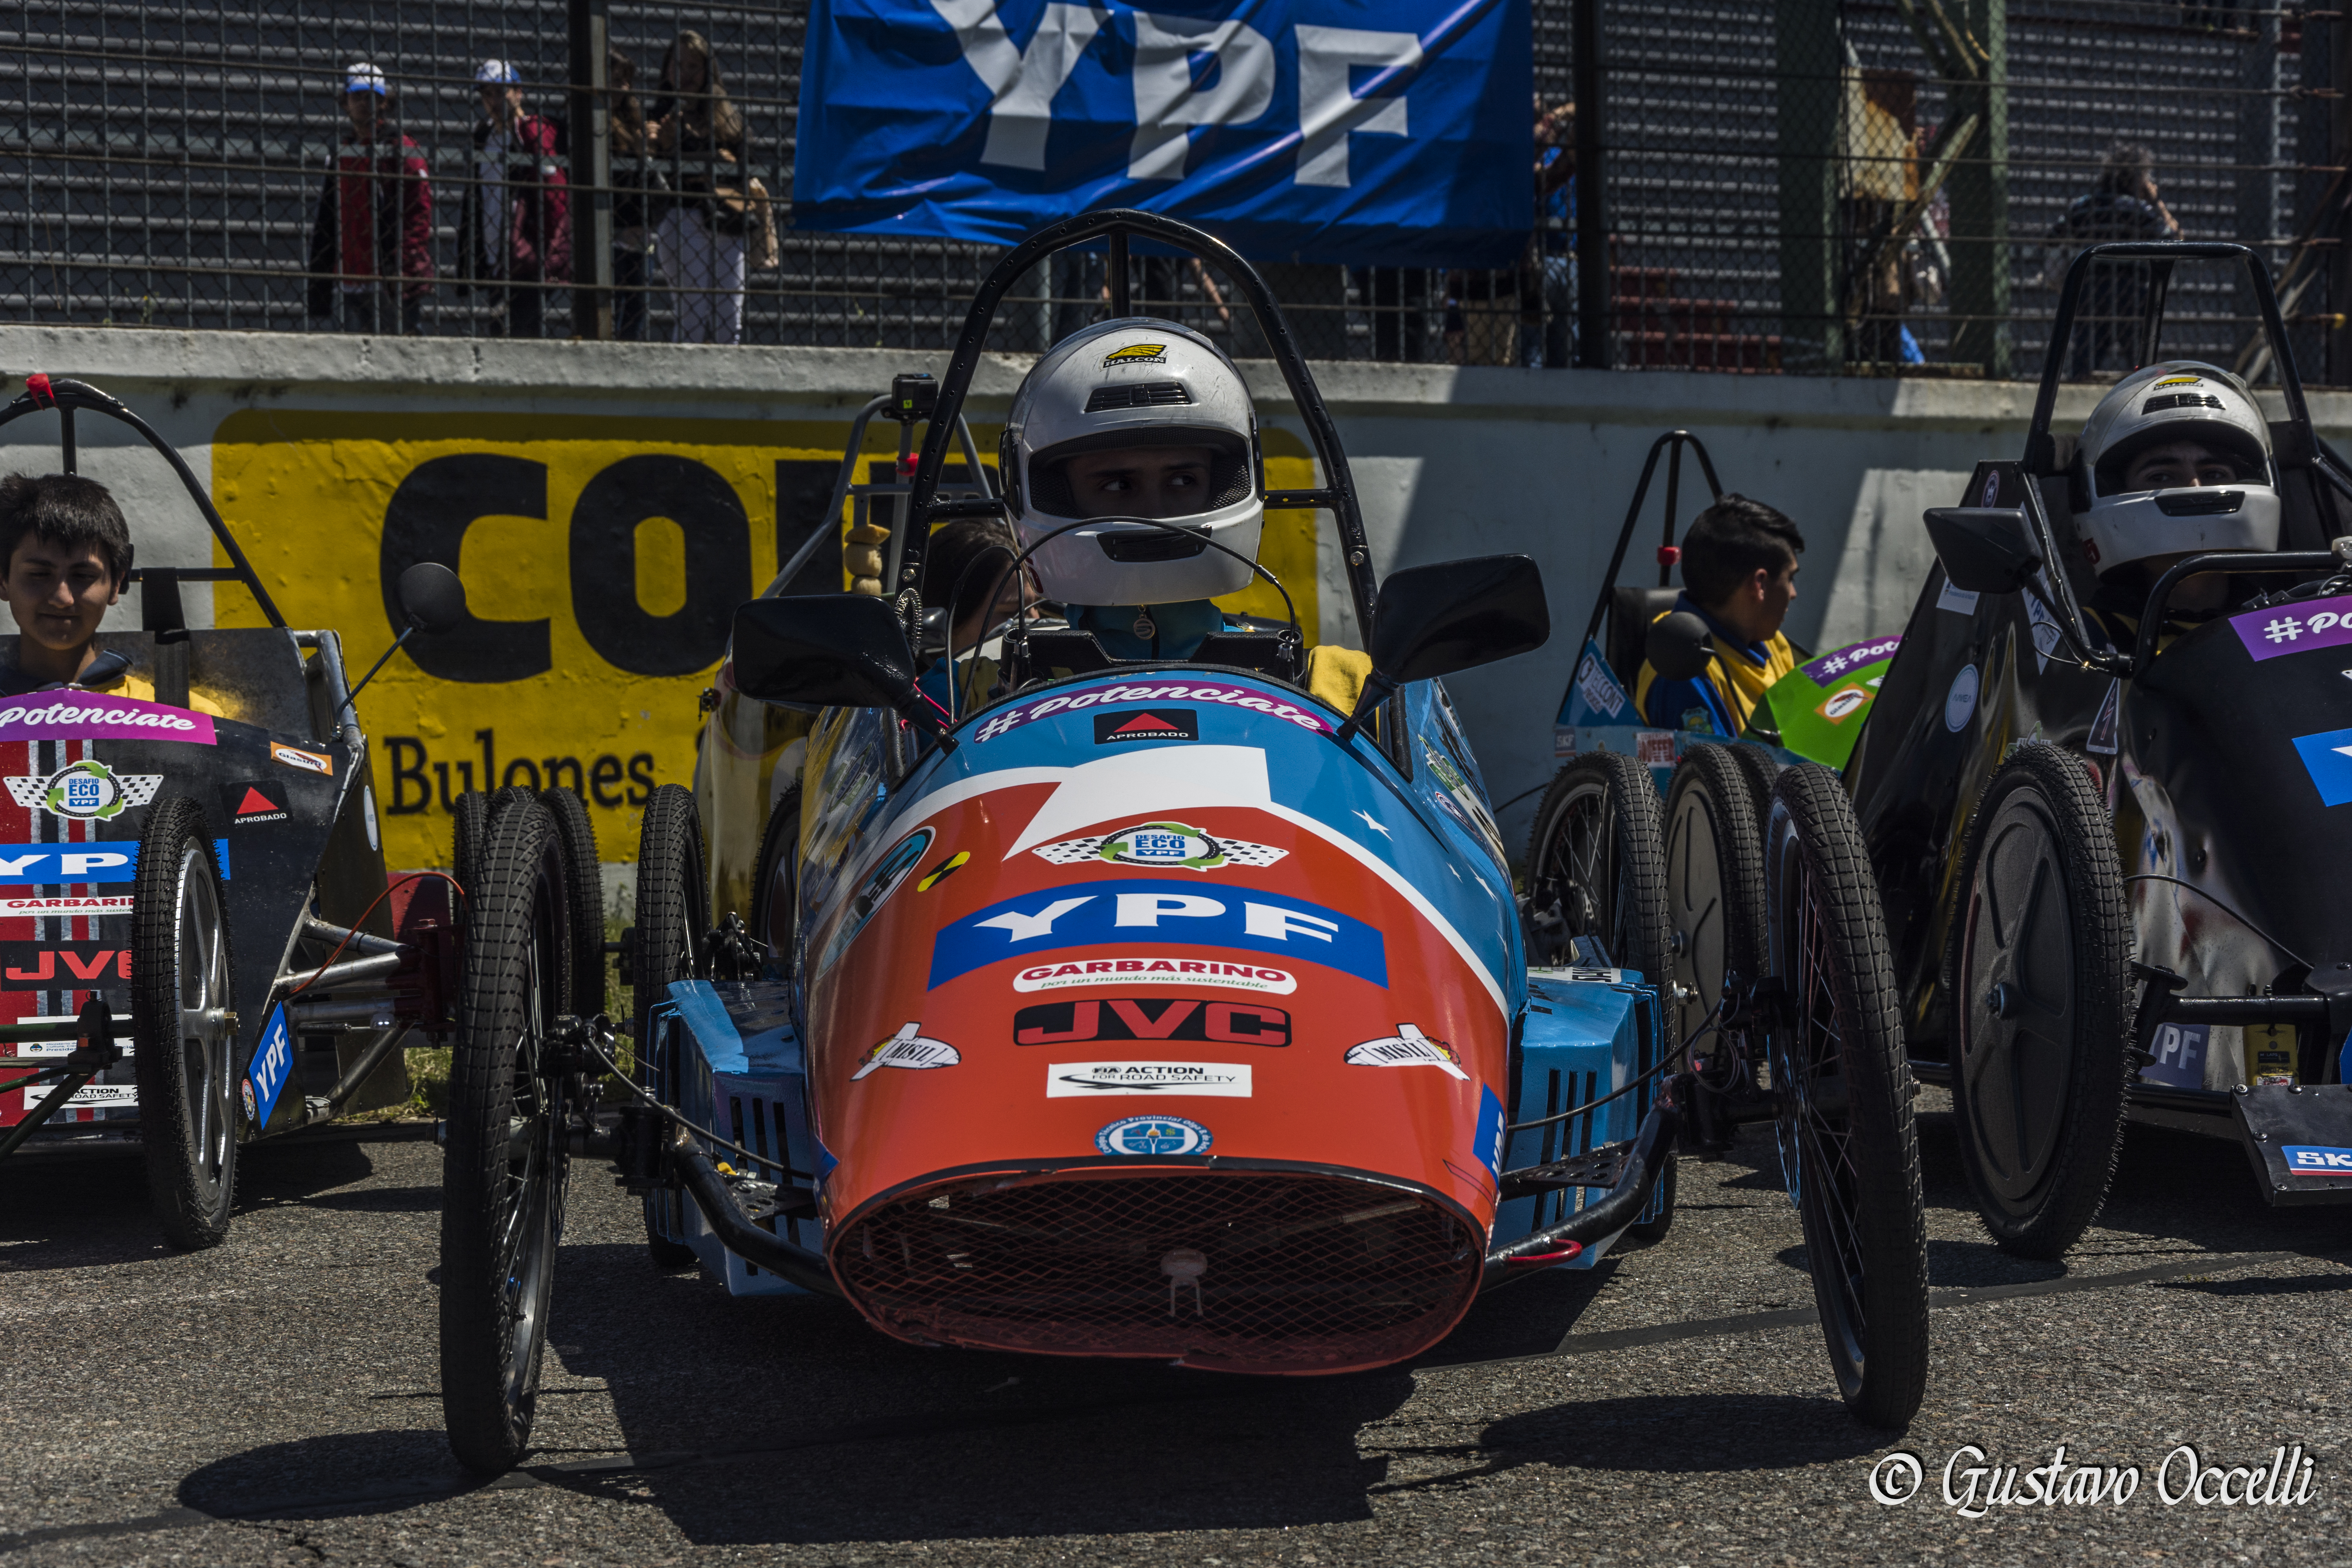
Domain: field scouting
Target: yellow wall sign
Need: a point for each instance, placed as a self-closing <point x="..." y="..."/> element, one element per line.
<point x="603" y="560"/>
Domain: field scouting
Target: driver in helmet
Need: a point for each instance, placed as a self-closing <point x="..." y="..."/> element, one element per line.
<point x="1123" y="427"/>
<point x="2175" y="461"/>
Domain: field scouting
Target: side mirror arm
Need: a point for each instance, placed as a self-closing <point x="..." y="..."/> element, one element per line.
<point x="1378" y="688"/>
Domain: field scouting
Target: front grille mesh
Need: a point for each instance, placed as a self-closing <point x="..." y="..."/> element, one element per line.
<point x="1245" y="1272"/>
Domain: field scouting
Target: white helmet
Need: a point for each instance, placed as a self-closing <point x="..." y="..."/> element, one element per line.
<point x="2175" y="401"/>
<point x="1135" y="383"/>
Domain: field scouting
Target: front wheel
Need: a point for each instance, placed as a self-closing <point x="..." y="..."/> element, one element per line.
<point x="507" y="1161"/>
<point x="673" y="938"/>
<point x="184" y="1028"/>
<point x="2040" y="981"/>
<point x="1849" y="1150"/>
<point x="1596" y="867"/>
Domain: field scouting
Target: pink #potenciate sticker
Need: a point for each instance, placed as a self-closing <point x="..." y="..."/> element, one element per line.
<point x="94" y="716"/>
<point x="1218" y="691"/>
<point x="2296" y="627"/>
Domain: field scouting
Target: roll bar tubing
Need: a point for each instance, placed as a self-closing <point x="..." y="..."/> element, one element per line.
<point x="1337" y="494"/>
<point x="1678" y="439"/>
<point x="65" y="396"/>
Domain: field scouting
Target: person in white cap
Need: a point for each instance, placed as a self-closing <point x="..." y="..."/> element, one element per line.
<point x="515" y="232"/>
<point x="2176" y="460"/>
<point x="1149" y="420"/>
<point x="372" y="241"/>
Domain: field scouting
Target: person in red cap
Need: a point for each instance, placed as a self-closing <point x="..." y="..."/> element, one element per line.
<point x="371" y="245"/>
<point x="515" y="234"/>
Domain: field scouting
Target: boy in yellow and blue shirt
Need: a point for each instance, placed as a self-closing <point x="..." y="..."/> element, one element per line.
<point x="1739" y="576"/>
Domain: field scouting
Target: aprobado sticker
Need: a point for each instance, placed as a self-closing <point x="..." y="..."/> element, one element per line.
<point x="1150" y="1018"/>
<point x="1097" y="913"/>
<point x="1407" y="1047"/>
<point x="1226" y="693"/>
<point x="2318" y="1160"/>
<point x="1162" y="1136"/>
<point x="1078" y="1081"/>
<point x="1151" y="724"/>
<point x="296" y="757"/>
<point x="1154" y="970"/>
<point x="87" y="791"/>
<point x="1174" y="846"/>
<point x="251" y="802"/>
<point x="906" y="1048"/>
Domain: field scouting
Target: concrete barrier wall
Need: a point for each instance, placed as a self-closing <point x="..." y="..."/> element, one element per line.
<point x="304" y="439"/>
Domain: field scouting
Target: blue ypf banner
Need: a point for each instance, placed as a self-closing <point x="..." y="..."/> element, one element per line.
<point x="1367" y="132"/>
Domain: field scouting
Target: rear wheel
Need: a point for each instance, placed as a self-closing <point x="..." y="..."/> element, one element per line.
<point x="182" y="1028"/>
<point x="775" y="896"/>
<point x="1849" y="1150"/>
<point x="470" y="833"/>
<point x="1715" y="881"/>
<point x="507" y="1161"/>
<point x="1596" y="867"/>
<point x="2039" y="981"/>
<point x="672" y="936"/>
<point x="584" y="882"/>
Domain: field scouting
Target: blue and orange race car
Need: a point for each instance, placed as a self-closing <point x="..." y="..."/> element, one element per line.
<point x="1149" y="1008"/>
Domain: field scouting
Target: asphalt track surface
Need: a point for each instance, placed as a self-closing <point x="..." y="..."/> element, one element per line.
<point x="275" y="1400"/>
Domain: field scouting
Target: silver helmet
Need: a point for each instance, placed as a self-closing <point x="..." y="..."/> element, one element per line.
<point x="2180" y="400"/>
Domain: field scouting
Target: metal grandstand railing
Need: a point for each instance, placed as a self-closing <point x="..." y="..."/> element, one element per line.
<point x="1777" y="192"/>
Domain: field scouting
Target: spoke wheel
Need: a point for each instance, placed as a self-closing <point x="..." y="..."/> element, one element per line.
<point x="584" y="882"/>
<point x="184" y="1028"/>
<point x="1849" y="1150"/>
<point x="1714" y="881"/>
<point x="2038" y="978"/>
<point x="506" y="1163"/>
<point x="672" y="938"/>
<point x="1596" y="867"/>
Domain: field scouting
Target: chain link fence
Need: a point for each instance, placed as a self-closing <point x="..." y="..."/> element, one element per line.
<point x="1805" y="186"/>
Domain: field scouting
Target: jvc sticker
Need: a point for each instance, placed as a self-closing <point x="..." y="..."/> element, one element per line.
<point x="1150" y="1018"/>
<point x="273" y="1064"/>
<point x="2318" y="1160"/>
<point x="62" y="966"/>
<point x="1131" y="912"/>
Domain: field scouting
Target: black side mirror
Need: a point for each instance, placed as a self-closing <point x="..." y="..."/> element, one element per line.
<point x="1450" y="615"/>
<point x="834" y="651"/>
<point x="432" y="598"/>
<point x="1985" y="550"/>
<point x="1679" y="646"/>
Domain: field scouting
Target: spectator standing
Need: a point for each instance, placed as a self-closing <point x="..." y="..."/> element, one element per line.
<point x="701" y="237"/>
<point x="1546" y="336"/>
<point x="371" y="245"/>
<point x="2123" y="207"/>
<point x="516" y="230"/>
<point x="635" y="179"/>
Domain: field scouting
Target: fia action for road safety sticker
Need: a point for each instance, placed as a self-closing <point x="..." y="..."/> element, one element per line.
<point x="1407" y="1047"/>
<point x="1080" y="1081"/>
<point x="252" y="802"/>
<point x="1172" y="845"/>
<point x="1154" y="1137"/>
<point x="906" y="1048"/>
<point x="1960" y="702"/>
<point x="85" y="790"/>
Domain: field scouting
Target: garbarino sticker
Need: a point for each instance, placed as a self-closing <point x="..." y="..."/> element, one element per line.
<point x="1157" y="970"/>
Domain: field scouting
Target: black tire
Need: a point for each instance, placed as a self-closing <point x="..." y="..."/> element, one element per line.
<point x="185" y="1060"/>
<point x="1849" y="1149"/>
<point x="1715" y="881"/>
<point x="1759" y="768"/>
<point x="2038" y="976"/>
<point x="1597" y="867"/>
<point x="506" y="1163"/>
<point x="469" y="832"/>
<point x="775" y="896"/>
<point x="672" y="937"/>
<point x="584" y="882"/>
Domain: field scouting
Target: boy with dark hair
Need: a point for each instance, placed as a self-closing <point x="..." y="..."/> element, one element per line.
<point x="65" y="554"/>
<point x="1739" y="575"/>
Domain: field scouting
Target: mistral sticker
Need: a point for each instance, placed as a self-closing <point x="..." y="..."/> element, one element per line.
<point x="87" y="716"/>
<point x="1137" y="912"/>
<point x="1245" y="697"/>
<point x="2296" y="628"/>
